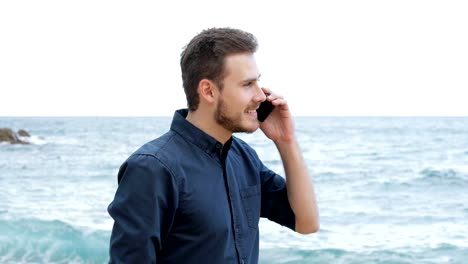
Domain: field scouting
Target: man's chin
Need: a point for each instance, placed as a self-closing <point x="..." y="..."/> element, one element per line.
<point x="251" y="127"/>
<point x="245" y="126"/>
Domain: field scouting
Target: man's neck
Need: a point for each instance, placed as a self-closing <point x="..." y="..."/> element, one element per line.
<point x="207" y="123"/>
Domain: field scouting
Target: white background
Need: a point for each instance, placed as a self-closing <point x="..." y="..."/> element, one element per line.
<point x="121" y="58"/>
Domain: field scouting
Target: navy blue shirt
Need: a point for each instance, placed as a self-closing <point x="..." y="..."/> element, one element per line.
<point x="186" y="198"/>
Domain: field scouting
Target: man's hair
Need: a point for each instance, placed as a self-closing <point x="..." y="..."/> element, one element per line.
<point x="204" y="58"/>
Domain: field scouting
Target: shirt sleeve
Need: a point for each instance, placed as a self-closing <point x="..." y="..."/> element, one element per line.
<point x="275" y="203"/>
<point x="143" y="210"/>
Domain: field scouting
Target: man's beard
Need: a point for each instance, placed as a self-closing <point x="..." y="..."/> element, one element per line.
<point x="233" y="124"/>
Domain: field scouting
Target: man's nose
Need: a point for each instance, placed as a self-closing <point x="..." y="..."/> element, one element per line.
<point x="260" y="95"/>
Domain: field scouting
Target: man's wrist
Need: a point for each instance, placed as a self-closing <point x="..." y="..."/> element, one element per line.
<point x="282" y="144"/>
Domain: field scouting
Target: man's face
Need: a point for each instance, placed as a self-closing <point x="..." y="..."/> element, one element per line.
<point x="241" y="94"/>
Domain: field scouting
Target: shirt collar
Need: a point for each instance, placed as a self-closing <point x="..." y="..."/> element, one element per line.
<point x="195" y="135"/>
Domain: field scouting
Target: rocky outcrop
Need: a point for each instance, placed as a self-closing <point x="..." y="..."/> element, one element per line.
<point x="8" y="135"/>
<point x="23" y="133"/>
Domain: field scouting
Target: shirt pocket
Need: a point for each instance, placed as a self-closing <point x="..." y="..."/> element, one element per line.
<point x="251" y="200"/>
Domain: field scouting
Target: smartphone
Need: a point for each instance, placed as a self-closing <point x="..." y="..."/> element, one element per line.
<point x="264" y="110"/>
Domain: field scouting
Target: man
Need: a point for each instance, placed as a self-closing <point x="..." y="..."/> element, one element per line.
<point x="195" y="195"/>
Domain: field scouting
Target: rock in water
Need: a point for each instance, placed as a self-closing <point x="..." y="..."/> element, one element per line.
<point x="8" y="135"/>
<point x="23" y="133"/>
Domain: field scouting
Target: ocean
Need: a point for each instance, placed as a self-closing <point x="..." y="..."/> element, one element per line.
<point x="389" y="189"/>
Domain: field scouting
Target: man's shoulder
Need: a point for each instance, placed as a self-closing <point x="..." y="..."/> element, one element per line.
<point x="151" y="157"/>
<point x="158" y="147"/>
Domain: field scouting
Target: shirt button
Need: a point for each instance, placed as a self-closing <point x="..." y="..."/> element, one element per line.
<point x="218" y="146"/>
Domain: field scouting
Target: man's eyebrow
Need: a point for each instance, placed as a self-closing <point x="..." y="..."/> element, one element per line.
<point x="252" y="79"/>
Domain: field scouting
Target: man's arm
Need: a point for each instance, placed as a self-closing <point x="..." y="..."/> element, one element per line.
<point x="143" y="210"/>
<point x="279" y="127"/>
<point x="301" y="193"/>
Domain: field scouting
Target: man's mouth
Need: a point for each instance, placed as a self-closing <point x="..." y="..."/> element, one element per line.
<point x="252" y="112"/>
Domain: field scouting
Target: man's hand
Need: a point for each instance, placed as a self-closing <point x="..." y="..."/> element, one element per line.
<point x="279" y="125"/>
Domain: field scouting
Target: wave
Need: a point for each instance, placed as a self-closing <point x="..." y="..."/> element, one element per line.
<point x="440" y="174"/>
<point x="448" y="176"/>
<point x="35" y="140"/>
<point x="428" y="177"/>
<point x="41" y="241"/>
<point x="32" y="140"/>
<point x="442" y="253"/>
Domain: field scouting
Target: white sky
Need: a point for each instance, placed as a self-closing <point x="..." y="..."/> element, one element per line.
<point x="121" y="58"/>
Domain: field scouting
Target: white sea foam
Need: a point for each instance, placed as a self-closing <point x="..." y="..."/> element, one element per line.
<point x="36" y="140"/>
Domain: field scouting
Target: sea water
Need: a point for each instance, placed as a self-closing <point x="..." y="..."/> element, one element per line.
<point x="389" y="189"/>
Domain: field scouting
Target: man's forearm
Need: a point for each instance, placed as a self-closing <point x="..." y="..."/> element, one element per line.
<point x="301" y="193"/>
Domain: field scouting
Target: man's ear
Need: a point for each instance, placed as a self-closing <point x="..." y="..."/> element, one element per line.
<point x="207" y="90"/>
